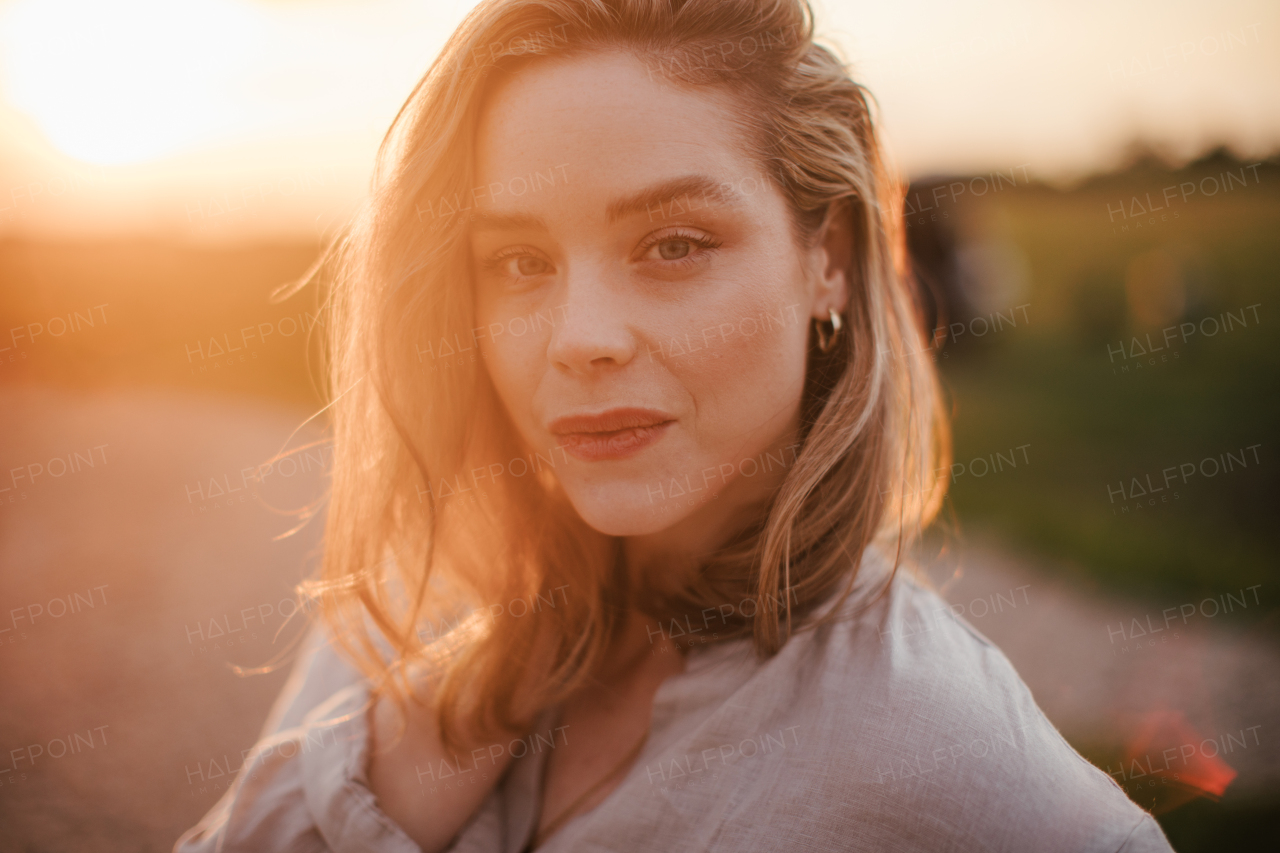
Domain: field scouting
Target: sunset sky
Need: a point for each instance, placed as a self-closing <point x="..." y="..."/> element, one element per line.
<point x="223" y="119"/>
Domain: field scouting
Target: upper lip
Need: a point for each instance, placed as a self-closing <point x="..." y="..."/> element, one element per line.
<point x="610" y="420"/>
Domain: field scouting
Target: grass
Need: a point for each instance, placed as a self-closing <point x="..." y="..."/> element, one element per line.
<point x="1095" y="417"/>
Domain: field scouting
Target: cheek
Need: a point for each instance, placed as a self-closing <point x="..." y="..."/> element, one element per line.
<point x="514" y="363"/>
<point x="510" y="353"/>
<point x="749" y="368"/>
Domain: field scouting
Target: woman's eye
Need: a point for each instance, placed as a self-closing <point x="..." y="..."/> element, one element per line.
<point x="529" y="265"/>
<point x="678" y="247"/>
<point x="673" y="250"/>
<point x="517" y="264"/>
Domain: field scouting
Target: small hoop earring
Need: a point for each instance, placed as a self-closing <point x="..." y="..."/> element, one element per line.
<point x="825" y="343"/>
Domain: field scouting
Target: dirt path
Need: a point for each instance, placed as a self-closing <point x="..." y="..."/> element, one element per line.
<point x="171" y="573"/>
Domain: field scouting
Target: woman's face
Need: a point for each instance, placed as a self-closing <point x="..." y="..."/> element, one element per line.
<point x="646" y="306"/>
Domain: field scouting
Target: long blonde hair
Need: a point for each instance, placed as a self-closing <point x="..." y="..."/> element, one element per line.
<point x="401" y="551"/>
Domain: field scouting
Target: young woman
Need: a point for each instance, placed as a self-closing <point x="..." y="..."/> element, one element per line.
<point x="633" y="416"/>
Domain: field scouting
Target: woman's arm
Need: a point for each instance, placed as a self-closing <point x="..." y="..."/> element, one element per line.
<point x="429" y="792"/>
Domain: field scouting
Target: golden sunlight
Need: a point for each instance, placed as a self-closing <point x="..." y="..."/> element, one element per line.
<point x="131" y="80"/>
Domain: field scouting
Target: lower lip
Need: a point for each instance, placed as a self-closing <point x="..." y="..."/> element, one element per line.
<point x="599" y="446"/>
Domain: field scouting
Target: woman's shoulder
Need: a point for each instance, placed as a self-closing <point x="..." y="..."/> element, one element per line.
<point x="898" y="634"/>
<point x="908" y="635"/>
<point x="301" y="789"/>
<point x="900" y="714"/>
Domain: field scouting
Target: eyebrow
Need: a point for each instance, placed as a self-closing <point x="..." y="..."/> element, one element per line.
<point x="670" y="191"/>
<point x="687" y="187"/>
<point x="482" y="221"/>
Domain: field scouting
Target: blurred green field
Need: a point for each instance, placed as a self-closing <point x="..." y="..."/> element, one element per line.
<point x="1097" y="413"/>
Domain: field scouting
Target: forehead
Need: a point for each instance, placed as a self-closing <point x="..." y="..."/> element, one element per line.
<point x="611" y="122"/>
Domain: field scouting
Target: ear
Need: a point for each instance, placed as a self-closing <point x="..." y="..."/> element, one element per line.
<point x="832" y="258"/>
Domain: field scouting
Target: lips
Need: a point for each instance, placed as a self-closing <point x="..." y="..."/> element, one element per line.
<point x="612" y="434"/>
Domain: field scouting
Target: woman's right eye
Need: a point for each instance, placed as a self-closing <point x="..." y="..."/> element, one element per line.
<point x="529" y="265"/>
<point x="517" y="263"/>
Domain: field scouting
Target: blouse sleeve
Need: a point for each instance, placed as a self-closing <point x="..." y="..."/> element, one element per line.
<point x="264" y="809"/>
<point x="1147" y="837"/>
<point x="318" y="673"/>
<point x="304" y="790"/>
<point x="304" y="787"/>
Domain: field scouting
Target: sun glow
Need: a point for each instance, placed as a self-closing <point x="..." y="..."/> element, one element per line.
<point x="130" y="80"/>
<point x="152" y="109"/>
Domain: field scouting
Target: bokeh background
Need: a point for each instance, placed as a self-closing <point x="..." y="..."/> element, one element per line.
<point x="1094" y="211"/>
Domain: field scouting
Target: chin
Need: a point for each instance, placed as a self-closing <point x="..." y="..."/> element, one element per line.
<point x="625" y="509"/>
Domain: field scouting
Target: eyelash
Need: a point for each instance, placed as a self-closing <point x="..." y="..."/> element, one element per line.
<point x="494" y="262"/>
<point x="704" y="244"/>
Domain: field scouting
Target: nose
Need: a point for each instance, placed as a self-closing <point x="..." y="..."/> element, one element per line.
<point x="594" y="330"/>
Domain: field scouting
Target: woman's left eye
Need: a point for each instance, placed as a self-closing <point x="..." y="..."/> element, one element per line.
<point x="676" y="247"/>
<point x="672" y="250"/>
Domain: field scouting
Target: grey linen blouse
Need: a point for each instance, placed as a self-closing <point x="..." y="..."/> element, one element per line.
<point x="896" y="728"/>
